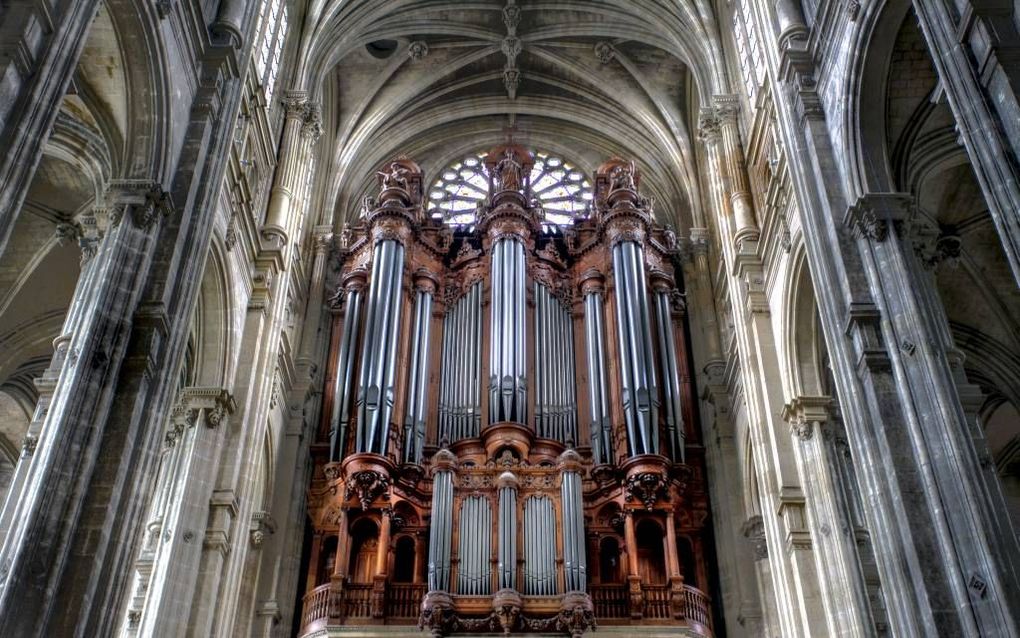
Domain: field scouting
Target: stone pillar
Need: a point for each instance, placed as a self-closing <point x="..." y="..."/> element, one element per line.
<point x="88" y="231"/>
<point x="257" y="386"/>
<point x="952" y="574"/>
<point x="69" y="438"/>
<point x="198" y="433"/>
<point x="731" y="152"/>
<point x="41" y="45"/>
<point x="781" y="496"/>
<point x="973" y="44"/>
<point x="844" y="592"/>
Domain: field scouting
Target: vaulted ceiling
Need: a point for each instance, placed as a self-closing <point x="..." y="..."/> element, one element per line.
<point x="437" y="79"/>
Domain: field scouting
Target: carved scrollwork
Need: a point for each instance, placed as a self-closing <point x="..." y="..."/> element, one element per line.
<point x="368" y="485"/>
<point x="645" y="487"/>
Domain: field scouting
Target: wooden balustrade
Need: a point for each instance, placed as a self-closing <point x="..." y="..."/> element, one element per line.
<point x="316" y="606"/>
<point x="613" y="602"/>
<point x="403" y="600"/>
<point x="357" y="602"/>
<point x="610" y="601"/>
<point x="657" y="602"/>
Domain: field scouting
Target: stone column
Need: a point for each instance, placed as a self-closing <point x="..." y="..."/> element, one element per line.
<point x="257" y="386"/>
<point x="67" y="448"/>
<point x="731" y="152"/>
<point x="183" y="519"/>
<point x="952" y="574"/>
<point x="781" y="497"/>
<point x="88" y="231"/>
<point x="973" y="44"/>
<point x="41" y="45"/>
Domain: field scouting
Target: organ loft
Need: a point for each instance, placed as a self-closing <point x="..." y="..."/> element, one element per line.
<point x="508" y="440"/>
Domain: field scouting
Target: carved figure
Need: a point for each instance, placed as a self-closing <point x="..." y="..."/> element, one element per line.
<point x="622" y="178"/>
<point x="508" y="171"/>
<point x="396" y="177"/>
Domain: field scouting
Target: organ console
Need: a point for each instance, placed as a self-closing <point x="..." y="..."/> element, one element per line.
<point x="508" y="441"/>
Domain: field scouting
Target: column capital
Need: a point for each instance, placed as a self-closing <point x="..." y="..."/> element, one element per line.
<point x="709" y="125"/>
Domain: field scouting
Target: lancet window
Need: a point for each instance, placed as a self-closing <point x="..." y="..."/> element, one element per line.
<point x="273" y="30"/>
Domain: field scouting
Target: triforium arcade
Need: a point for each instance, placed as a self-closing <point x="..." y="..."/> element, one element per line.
<point x="519" y="452"/>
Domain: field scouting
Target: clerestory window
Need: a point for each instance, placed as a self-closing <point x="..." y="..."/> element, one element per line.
<point x="273" y="30"/>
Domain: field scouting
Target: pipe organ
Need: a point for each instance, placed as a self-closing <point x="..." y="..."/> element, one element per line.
<point x="497" y="451"/>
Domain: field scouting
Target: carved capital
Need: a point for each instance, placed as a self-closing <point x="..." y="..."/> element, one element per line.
<point x="873" y="215"/>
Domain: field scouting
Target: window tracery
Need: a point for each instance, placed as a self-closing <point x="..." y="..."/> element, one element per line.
<point x="273" y="26"/>
<point x="561" y="189"/>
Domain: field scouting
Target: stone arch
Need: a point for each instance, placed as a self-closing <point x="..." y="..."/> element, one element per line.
<point x="869" y="161"/>
<point x="803" y="345"/>
<point x="211" y="326"/>
<point x="150" y="114"/>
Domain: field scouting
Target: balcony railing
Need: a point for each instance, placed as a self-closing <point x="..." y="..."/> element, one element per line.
<point x="612" y="601"/>
<point x="329" y="605"/>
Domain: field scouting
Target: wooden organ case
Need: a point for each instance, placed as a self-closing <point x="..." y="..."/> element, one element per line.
<point x="508" y="440"/>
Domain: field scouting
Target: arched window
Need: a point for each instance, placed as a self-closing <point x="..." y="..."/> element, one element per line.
<point x="273" y="31"/>
<point x="610" y="562"/>
<point x="403" y="560"/>
<point x="562" y="190"/>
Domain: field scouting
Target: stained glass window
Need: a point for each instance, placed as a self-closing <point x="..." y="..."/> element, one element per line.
<point x="561" y="189"/>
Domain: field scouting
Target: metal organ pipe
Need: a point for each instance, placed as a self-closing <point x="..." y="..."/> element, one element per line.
<point x="595" y="348"/>
<point x="634" y="333"/>
<point x="671" y="381"/>
<point x="460" y="399"/>
<point x="555" y="416"/>
<point x="574" y="558"/>
<point x="441" y="531"/>
<point x="539" y="547"/>
<point x="344" y="376"/>
<point x="379" y="350"/>
<point x="473" y="576"/>
<point x="414" y="423"/>
<point x="507" y="364"/>
<point x="507" y="533"/>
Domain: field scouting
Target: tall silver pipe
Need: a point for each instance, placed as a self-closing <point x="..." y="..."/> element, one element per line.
<point x="634" y="334"/>
<point x="539" y="367"/>
<point x="600" y="357"/>
<point x="507" y="531"/>
<point x="571" y="376"/>
<point x="375" y="397"/>
<point x="507" y="376"/>
<point x="439" y="538"/>
<point x="575" y="561"/>
<point x="671" y="380"/>
<point x="414" y="423"/>
<point x="344" y="376"/>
